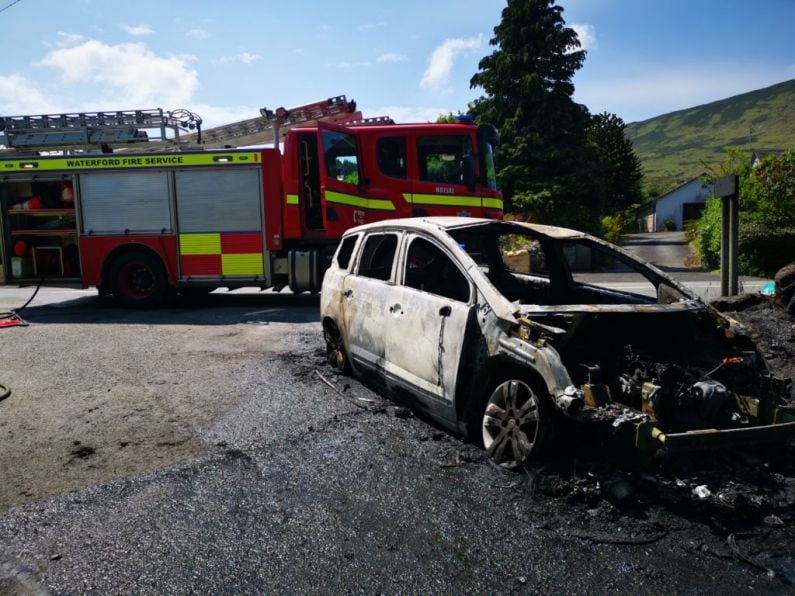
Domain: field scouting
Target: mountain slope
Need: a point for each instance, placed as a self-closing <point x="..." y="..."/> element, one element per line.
<point x="673" y="146"/>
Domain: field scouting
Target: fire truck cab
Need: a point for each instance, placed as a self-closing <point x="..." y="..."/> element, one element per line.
<point x="145" y="225"/>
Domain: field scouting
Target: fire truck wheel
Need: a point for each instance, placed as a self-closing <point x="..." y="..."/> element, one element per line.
<point x="139" y="280"/>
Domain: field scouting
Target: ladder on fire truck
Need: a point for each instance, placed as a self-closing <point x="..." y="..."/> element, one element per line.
<point x="98" y="130"/>
<point x="272" y="125"/>
<point x="157" y="130"/>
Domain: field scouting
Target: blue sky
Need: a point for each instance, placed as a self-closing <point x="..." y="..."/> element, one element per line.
<point x="411" y="60"/>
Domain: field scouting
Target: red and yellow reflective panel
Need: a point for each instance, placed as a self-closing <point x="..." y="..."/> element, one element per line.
<point x="221" y="253"/>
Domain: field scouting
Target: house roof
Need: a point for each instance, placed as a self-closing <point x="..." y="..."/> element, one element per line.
<point x="673" y="190"/>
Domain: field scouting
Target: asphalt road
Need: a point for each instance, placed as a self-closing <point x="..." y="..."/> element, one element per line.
<point x="667" y="250"/>
<point x="304" y="490"/>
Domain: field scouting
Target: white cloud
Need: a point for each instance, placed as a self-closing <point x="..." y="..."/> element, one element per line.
<point x="586" y="34"/>
<point x="19" y="95"/>
<point x="219" y="115"/>
<point x="127" y="74"/>
<point x="441" y="62"/>
<point x="197" y="33"/>
<point x="68" y="39"/>
<point x="407" y="114"/>
<point x="242" y="58"/>
<point x="139" y="30"/>
<point x="368" y="26"/>
<point x="391" y="57"/>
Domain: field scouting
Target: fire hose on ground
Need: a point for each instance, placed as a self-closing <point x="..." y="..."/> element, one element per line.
<point x="13" y="319"/>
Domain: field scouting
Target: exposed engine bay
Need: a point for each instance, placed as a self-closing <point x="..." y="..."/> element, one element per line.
<point x="676" y="371"/>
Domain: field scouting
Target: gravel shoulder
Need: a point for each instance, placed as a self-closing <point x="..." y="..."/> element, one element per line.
<point x="100" y="393"/>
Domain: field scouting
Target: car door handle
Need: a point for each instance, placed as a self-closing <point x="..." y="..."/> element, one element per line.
<point x="395" y="309"/>
<point x="445" y="311"/>
<point x="348" y="293"/>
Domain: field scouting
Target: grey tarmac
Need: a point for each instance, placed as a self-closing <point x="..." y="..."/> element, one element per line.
<point x="286" y="486"/>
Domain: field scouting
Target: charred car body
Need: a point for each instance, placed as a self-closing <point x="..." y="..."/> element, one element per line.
<point x="498" y="330"/>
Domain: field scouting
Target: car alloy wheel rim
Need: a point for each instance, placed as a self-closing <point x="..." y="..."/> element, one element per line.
<point x="510" y="424"/>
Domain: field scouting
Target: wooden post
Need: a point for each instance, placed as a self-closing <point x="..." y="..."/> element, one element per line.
<point x="727" y="188"/>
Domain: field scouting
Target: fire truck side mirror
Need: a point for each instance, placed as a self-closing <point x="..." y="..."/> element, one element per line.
<point x="468" y="166"/>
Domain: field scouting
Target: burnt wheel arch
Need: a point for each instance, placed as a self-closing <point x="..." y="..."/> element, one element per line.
<point x="335" y="346"/>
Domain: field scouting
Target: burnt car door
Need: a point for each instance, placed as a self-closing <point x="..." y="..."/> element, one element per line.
<point x="426" y="321"/>
<point x="365" y="295"/>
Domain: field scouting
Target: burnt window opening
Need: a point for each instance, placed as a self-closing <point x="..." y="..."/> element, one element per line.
<point x="377" y="256"/>
<point x="430" y="270"/>
<point x="345" y="251"/>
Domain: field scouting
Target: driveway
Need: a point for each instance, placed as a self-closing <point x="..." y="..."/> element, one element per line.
<point x="667" y="250"/>
<point x="252" y="475"/>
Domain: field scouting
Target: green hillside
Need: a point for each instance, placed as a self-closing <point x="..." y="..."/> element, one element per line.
<point x="673" y="146"/>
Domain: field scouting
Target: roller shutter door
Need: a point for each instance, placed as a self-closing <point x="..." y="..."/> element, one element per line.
<point x="220" y="224"/>
<point x="213" y="201"/>
<point x="125" y="202"/>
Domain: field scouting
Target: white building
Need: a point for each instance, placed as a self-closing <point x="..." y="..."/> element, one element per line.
<point x="684" y="203"/>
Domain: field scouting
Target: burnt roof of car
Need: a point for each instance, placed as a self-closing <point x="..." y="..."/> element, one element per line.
<point x="450" y="223"/>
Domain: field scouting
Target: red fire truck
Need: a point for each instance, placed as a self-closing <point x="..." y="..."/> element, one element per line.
<point x="142" y="225"/>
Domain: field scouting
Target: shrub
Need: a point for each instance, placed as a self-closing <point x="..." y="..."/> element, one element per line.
<point x="611" y="228"/>
<point x="707" y="234"/>
<point x="669" y="226"/>
<point x="765" y="249"/>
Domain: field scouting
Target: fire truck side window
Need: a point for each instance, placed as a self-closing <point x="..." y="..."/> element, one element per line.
<point x="442" y="158"/>
<point x="341" y="159"/>
<point x="391" y="155"/>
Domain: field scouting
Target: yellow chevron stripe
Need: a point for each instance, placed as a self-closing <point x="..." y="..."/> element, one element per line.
<point x="356" y="201"/>
<point x="292" y="200"/>
<point x="241" y="264"/>
<point x="446" y="200"/>
<point x="200" y="244"/>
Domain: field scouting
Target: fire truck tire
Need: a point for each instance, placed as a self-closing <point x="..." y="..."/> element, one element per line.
<point x="139" y="280"/>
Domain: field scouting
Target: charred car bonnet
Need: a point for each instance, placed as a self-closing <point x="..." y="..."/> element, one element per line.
<point x="502" y="330"/>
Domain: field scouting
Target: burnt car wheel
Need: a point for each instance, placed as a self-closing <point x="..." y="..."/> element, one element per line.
<point x="515" y="424"/>
<point x="335" y="348"/>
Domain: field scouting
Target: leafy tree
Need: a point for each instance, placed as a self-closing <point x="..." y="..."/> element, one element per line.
<point x="620" y="173"/>
<point x="545" y="162"/>
<point x="767" y="212"/>
<point x="768" y="197"/>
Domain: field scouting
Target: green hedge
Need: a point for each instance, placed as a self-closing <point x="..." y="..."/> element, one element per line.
<point x="765" y="249"/>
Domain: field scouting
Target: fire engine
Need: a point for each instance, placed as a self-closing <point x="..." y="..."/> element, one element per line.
<point x="123" y="202"/>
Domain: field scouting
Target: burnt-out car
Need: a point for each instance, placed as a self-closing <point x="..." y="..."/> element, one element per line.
<point x="502" y="330"/>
